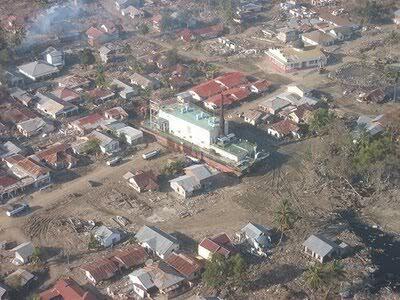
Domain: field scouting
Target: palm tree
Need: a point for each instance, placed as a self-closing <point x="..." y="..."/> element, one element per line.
<point x="394" y="75"/>
<point x="315" y="276"/>
<point x="285" y="217"/>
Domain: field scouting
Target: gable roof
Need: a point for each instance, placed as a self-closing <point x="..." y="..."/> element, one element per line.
<point x="232" y="79"/>
<point x="25" y="250"/>
<point x="101" y="269"/>
<point x="320" y="244"/>
<point x="208" y="89"/>
<point x="104" y="232"/>
<point x="219" y="244"/>
<point x="185" y="264"/>
<point x="67" y="289"/>
<point x="284" y="127"/>
<point x="145" y="180"/>
<point x="26" y="165"/>
<point x="130" y="257"/>
<point x="66" y="94"/>
<point x="158" y="240"/>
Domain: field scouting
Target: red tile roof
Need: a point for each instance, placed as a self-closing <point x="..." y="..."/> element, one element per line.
<point x="218" y="99"/>
<point x="284" y="127"/>
<point x="56" y="153"/>
<point x="130" y="257"/>
<point x="94" y="33"/>
<point x="66" y="94"/>
<point x="99" y="93"/>
<point x="237" y="94"/>
<point x="262" y="85"/>
<point x="27" y="165"/>
<point x="90" y="119"/>
<point x="101" y="269"/>
<point x="6" y="181"/>
<point x="185" y="264"/>
<point x="208" y="89"/>
<point x="232" y="79"/>
<point x="220" y="244"/>
<point x="146" y="180"/>
<point x="67" y="289"/>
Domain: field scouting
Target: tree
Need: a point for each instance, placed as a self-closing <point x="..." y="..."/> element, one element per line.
<point x="93" y="244"/>
<point x="227" y="10"/>
<point x="285" y="217"/>
<point x="394" y="76"/>
<point x="5" y="57"/>
<point x="100" y="77"/>
<point x="144" y="29"/>
<point x="216" y="271"/>
<point x="172" y="56"/>
<point x="320" y="119"/>
<point x="371" y="12"/>
<point x="36" y="256"/>
<point x="238" y="269"/>
<point x="315" y="276"/>
<point x="86" y="57"/>
<point x="92" y="147"/>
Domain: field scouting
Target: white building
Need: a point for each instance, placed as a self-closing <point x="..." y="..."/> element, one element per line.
<point x="107" y="144"/>
<point x="106" y="236"/>
<point x="290" y="59"/>
<point x="190" y="123"/>
<point x="55" y="57"/>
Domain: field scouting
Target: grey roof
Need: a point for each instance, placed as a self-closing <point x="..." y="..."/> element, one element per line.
<point x="51" y="104"/>
<point x="103" y="138"/>
<point x="8" y="149"/>
<point x="25" y="250"/>
<point x="255" y="230"/>
<point x="37" y="69"/>
<point x="397" y="13"/>
<point x="145" y="278"/>
<point x="23" y="275"/>
<point x="370" y="124"/>
<point x="320" y="244"/>
<point x="32" y="125"/>
<point x="275" y="103"/>
<point x="158" y="240"/>
<point x="104" y="232"/>
<point x="143" y="80"/>
<point x="131" y="132"/>
<point x="187" y="182"/>
<point x="115" y="126"/>
<point x="200" y="172"/>
<point x="3" y="290"/>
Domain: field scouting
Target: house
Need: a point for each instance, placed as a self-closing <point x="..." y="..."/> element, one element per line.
<point x="4" y="292"/>
<point x="67" y="95"/>
<point x="57" y="156"/>
<point x="197" y="177"/>
<point x="132" y="12"/>
<point x="260" y="86"/>
<point x="54" y="107"/>
<point x="157" y="241"/>
<point x="22" y="96"/>
<point x="206" y="90"/>
<point x="301" y="114"/>
<point x="100" y="270"/>
<point x="107" y="53"/>
<point x="100" y="95"/>
<point x="142" y="181"/>
<point x="122" y="4"/>
<point x="129" y="257"/>
<point x="73" y="82"/>
<point x="125" y="90"/>
<point x="21" y="277"/>
<point x="220" y="244"/>
<point x="107" y="237"/>
<point x="131" y="135"/>
<point x="157" y="278"/>
<point x="318" y="38"/>
<point x="89" y="123"/>
<point x="257" y="236"/>
<point x="38" y="70"/>
<point x="274" y="105"/>
<point x="107" y="32"/>
<point x="185" y="264"/>
<point x="67" y="289"/>
<point x="8" y="149"/>
<point x="231" y="80"/>
<point x="283" y="129"/>
<point x="12" y="79"/>
<point x="287" y="34"/>
<point x="208" y="32"/>
<point x="116" y="113"/>
<point x="290" y="59"/>
<point x="396" y="19"/>
<point x="54" y="57"/>
<point x="253" y="117"/>
<point x="145" y="81"/>
<point x="371" y="125"/>
<point x="34" y="126"/>
<point x="342" y="33"/>
<point x="22" y="253"/>
<point x="322" y="248"/>
<point x="28" y="168"/>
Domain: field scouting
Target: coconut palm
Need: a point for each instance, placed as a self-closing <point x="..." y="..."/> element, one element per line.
<point x="285" y="217"/>
<point x="315" y="276"/>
